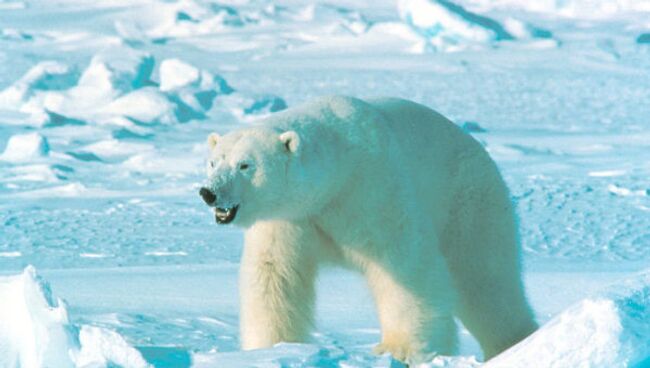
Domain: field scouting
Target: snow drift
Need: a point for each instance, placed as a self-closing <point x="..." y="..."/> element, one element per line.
<point x="117" y="88"/>
<point x="447" y="26"/>
<point x="609" y="330"/>
<point x="35" y="331"/>
<point x="25" y="147"/>
<point x="580" y="9"/>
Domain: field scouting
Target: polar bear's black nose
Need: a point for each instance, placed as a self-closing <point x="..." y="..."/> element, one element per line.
<point x="207" y="195"/>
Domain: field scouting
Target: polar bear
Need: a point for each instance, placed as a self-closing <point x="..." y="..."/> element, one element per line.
<point x="387" y="187"/>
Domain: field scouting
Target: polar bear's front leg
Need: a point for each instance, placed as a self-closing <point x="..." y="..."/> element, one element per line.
<point x="277" y="279"/>
<point x="415" y="313"/>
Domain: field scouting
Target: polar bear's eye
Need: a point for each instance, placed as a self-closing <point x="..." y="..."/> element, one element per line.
<point x="243" y="166"/>
<point x="211" y="164"/>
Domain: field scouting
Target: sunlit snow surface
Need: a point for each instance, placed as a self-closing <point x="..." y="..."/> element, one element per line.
<point x="105" y="106"/>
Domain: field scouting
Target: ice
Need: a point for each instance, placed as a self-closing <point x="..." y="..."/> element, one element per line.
<point x="145" y="105"/>
<point x="116" y="149"/>
<point x="53" y="93"/>
<point x="472" y="127"/>
<point x="114" y="89"/>
<point x="110" y="215"/>
<point x="12" y="5"/>
<point x="644" y="38"/>
<point x="34" y="329"/>
<point x="25" y="147"/>
<point x="193" y="90"/>
<point x="104" y="348"/>
<point x="249" y="107"/>
<point x="176" y="74"/>
<point x="581" y="9"/>
<point x="522" y="30"/>
<point x="609" y="330"/>
<point x="184" y="18"/>
<point x="37" y="172"/>
<point x="46" y="75"/>
<point x="15" y="35"/>
<point x="115" y="71"/>
<point x="10" y="254"/>
<point x="448" y="26"/>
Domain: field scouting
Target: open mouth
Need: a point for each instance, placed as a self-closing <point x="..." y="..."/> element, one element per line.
<point x="225" y="215"/>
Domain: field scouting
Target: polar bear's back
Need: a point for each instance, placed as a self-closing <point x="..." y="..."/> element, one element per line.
<point x="423" y="135"/>
<point x="439" y="157"/>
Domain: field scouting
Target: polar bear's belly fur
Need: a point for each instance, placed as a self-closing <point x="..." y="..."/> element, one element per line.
<point x="420" y="209"/>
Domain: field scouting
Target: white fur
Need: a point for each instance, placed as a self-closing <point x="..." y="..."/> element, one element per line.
<point x="390" y="188"/>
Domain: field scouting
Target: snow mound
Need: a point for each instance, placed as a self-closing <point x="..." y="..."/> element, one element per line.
<point x="582" y="9"/>
<point x="184" y="18"/>
<point x="346" y="19"/>
<point x="14" y="35"/>
<point x="25" y="147"/>
<point x="46" y="75"/>
<point x="250" y="107"/>
<point x="145" y="105"/>
<point x="115" y="89"/>
<point x="35" y="331"/>
<point x="115" y="71"/>
<point x="610" y="330"/>
<point x="447" y="26"/>
<point x="522" y="30"/>
<point x="106" y="348"/>
<point x="37" y="173"/>
<point x="175" y="74"/>
<point x="192" y="89"/>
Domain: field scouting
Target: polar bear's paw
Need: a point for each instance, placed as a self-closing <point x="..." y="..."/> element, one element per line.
<point x="399" y="351"/>
<point x="403" y="352"/>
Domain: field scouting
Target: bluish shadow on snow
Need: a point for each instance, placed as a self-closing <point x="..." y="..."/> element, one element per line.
<point x="124" y="133"/>
<point x="643" y="38"/>
<point x="166" y="357"/>
<point x="56" y="120"/>
<point x="499" y="32"/>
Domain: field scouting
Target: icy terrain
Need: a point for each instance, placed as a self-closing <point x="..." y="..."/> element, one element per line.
<point x="105" y="106"/>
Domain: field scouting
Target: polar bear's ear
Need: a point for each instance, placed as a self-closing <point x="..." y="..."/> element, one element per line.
<point x="212" y="140"/>
<point x="291" y="140"/>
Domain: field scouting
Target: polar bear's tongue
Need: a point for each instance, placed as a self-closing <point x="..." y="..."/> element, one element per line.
<point x="225" y="215"/>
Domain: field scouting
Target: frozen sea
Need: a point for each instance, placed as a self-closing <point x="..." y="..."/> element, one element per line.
<point x="105" y="107"/>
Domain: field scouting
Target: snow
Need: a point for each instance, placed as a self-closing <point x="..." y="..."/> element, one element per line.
<point x="145" y="105"/>
<point x="116" y="70"/>
<point x="104" y="110"/>
<point x="588" y="9"/>
<point x="175" y="73"/>
<point x="101" y="347"/>
<point x="44" y="76"/>
<point x="608" y="330"/>
<point x="34" y="329"/>
<point x="25" y="147"/>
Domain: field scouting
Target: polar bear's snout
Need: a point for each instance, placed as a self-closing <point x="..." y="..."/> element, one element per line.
<point x="208" y="197"/>
<point x="223" y="215"/>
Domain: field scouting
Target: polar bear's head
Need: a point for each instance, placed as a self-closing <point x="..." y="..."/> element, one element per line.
<point x="252" y="175"/>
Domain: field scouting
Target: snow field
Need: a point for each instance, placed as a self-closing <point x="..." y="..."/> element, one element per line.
<point x="104" y="110"/>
